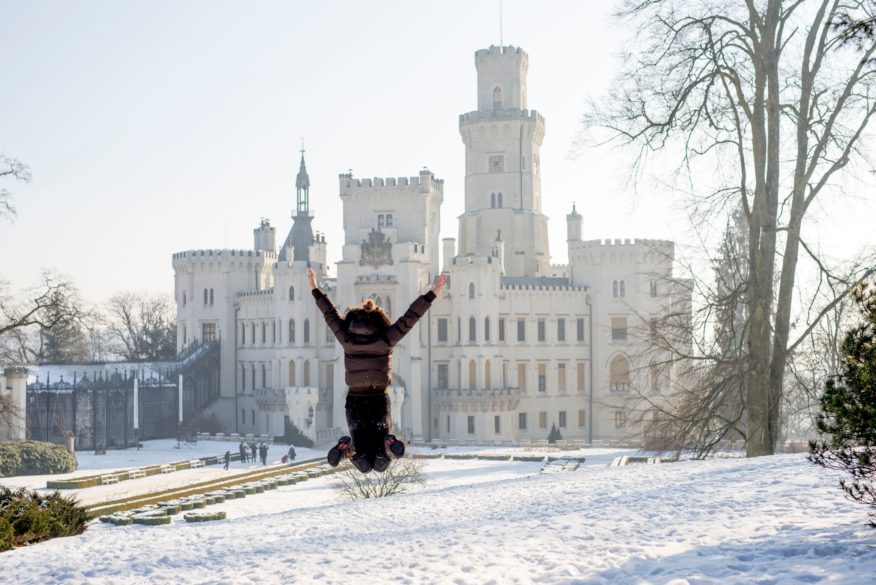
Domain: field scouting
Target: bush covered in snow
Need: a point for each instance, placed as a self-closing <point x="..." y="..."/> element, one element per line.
<point x="34" y="458"/>
<point x="27" y="517"/>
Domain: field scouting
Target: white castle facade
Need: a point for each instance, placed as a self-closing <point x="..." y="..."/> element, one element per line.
<point x="513" y="347"/>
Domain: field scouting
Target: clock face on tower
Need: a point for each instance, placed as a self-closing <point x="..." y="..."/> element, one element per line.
<point x="497" y="163"/>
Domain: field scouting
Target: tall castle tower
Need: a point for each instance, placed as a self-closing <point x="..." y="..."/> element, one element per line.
<point x="300" y="237"/>
<point x="502" y="181"/>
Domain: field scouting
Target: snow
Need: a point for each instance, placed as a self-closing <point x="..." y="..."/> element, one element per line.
<point x="769" y="520"/>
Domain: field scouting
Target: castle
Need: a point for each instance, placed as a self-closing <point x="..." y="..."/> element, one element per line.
<point x="514" y="346"/>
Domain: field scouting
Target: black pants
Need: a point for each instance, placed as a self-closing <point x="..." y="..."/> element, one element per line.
<point x="369" y="419"/>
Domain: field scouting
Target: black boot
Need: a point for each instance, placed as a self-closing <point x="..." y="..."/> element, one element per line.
<point x="396" y="447"/>
<point x="338" y="452"/>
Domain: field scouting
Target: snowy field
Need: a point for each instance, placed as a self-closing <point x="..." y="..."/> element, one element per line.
<point x="771" y="520"/>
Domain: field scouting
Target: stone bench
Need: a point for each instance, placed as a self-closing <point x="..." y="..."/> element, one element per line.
<point x="108" y="479"/>
<point x="197" y="463"/>
<point x="136" y="474"/>
<point x="167" y="468"/>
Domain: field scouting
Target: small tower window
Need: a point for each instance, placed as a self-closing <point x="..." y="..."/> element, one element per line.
<point x="205" y="296"/>
<point x="497" y="98"/>
<point x="486" y="329"/>
<point x="381" y="221"/>
<point x="291" y="293"/>
<point x="622" y="289"/>
<point x="499" y="199"/>
<point x="291" y="331"/>
<point x="471" y="290"/>
<point x="492" y="200"/>
<point x="306" y="332"/>
<point x="614" y="288"/>
<point x="472" y="329"/>
<point x="184" y="299"/>
<point x="211" y="297"/>
<point x="388" y="220"/>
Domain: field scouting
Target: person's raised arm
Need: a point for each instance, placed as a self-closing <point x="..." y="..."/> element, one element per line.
<point x="415" y="312"/>
<point x="327" y="307"/>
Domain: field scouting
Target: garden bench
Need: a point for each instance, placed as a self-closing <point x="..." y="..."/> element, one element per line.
<point x="196" y="463"/>
<point x="108" y="479"/>
<point x="167" y="468"/>
<point x="136" y="474"/>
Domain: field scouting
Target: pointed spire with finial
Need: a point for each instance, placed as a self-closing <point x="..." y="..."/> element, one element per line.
<point x="302" y="186"/>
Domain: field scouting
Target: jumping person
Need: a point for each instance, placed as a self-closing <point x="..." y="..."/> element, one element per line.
<point x="368" y="336"/>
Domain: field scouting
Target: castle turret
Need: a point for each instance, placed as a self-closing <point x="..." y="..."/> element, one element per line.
<point x="503" y="183"/>
<point x="573" y="226"/>
<point x="264" y="237"/>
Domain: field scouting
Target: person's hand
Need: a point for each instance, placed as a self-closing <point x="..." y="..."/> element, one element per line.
<point x="311" y="277"/>
<point x="439" y="283"/>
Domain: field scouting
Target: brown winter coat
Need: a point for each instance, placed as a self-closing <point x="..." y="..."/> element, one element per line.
<point x="368" y="338"/>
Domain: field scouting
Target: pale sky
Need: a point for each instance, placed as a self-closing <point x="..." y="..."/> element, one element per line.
<point x="155" y="127"/>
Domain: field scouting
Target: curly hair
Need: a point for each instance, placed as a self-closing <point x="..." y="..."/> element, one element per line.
<point x="368" y="311"/>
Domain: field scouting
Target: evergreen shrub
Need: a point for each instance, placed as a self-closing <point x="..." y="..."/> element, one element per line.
<point x="34" y="458"/>
<point x="293" y="436"/>
<point x="27" y="517"/>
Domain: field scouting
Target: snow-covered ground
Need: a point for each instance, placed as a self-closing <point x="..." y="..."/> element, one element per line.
<point x="769" y="520"/>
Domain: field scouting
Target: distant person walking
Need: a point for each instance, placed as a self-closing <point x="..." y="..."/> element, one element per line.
<point x="252" y="447"/>
<point x="227" y="459"/>
<point x="263" y="452"/>
<point x="242" y="449"/>
<point x="291" y="453"/>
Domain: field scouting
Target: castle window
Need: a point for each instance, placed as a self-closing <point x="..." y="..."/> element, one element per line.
<point x="472" y="329"/>
<point x="541" y="330"/>
<point x="653" y="289"/>
<point x="252" y="371"/>
<point x="496" y="163"/>
<point x="622" y="289"/>
<point x="211" y="297"/>
<point x="471" y="290"/>
<point x="618" y="328"/>
<point x="614" y="288"/>
<point x="264" y="376"/>
<point x="443" y="376"/>
<point x="542" y="378"/>
<point x="582" y="376"/>
<point x="582" y="418"/>
<point x="542" y="420"/>
<point x="619" y="374"/>
<point x="291" y="293"/>
<point x="488" y="381"/>
<point x="492" y="200"/>
<point x="561" y="377"/>
<point x="499" y="199"/>
<point x="620" y="419"/>
<point x="264" y="330"/>
<point x="274" y="332"/>
<point x="521" y="330"/>
<point x="388" y="220"/>
<point x="521" y="421"/>
<point x="252" y="333"/>
<point x="243" y="334"/>
<point x="292" y="372"/>
<point x="306" y="371"/>
<point x="471" y="429"/>
<point x="442" y="330"/>
<point x="381" y="221"/>
<point x="561" y="330"/>
<point x="655" y="379"/>
<point x="497" y="98"/>
<point x="562" y="421"/>
<point x="501" y="329"/>
<point x="242" y="377"/>
<point x="486" y="329"/>
<point x="580" y="330"/>
<point x="205" y="296"/>
<point x="208" y="332"/>
<point x="459" y="330"/>
<point x="472" y="375"/>
<point x="306" y="332"/>
<point x="184" y="299"/>
<point x="185" y="335"/>
<point x="291" y="331"/>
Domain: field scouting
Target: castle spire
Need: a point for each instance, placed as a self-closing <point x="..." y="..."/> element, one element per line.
<point x="302" y="187"/>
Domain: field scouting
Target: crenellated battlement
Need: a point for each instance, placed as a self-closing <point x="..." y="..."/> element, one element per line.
<point x="256" y="293"/>
<point x="626" y="244"/>
<point x="424" y="182"/>
<point x="499" y="116"/>
<point x="501" y="52"/>
<point x="222" y="254"/>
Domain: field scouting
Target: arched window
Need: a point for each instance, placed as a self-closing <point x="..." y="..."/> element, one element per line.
<point x="486" y="329"/>
<point x="205" y="296"/>
<point x="211" y="297"/>
<point x="619" y="374"/>
<point x="622" y="289"/>
<point x="472" y="329"/>
<point x="243" y="334"/>
<point x="497" y="99"/>
<point x="306" y="336"/>
<point x="252" y="333"/>
<point x="264" y="331"/>
<point x="472" y="375"/>
<point x="471" y="290"/>
<point x="614" y="288"/>
<point x="499" y="199"/>
<point x="292" y="373"/>
<point x="492" y="200"/>
<point x="184" y="299"/>
<point x="487" y="382"/>
<point x="306" y="371"/>
<point x="291" y="293"/>
<point x="264" y="376"/>
<point x="291" y="331"/>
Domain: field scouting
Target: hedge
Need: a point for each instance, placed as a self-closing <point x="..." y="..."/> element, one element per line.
<point x="34" y="458"/>
<point x="27" y="517"/>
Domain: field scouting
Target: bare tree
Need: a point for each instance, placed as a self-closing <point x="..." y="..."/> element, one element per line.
<point x="144" y="327"/>
<point x="774" y="97"/>
<point x="15" y="169"/>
